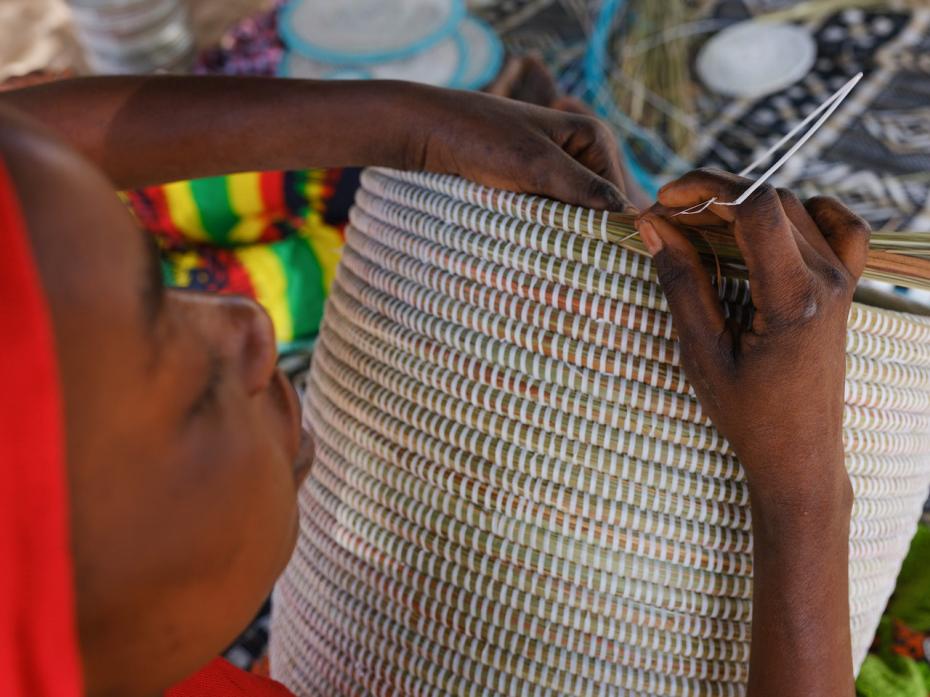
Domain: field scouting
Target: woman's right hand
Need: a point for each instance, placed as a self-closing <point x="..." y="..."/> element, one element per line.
<point x="775" y="390"/>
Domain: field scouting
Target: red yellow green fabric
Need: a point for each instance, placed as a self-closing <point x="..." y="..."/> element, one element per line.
<point x="272" y="236"/>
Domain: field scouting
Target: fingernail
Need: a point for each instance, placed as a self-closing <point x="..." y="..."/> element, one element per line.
<point x="649" y="236"/>
<point x="617" y="200"/>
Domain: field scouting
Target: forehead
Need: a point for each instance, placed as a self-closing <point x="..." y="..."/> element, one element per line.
<point x="92" y="259"/>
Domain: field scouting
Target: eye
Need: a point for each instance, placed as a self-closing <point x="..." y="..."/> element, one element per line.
<point x="207" y="396"/>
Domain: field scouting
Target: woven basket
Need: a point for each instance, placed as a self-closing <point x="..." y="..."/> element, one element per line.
<point x="515" y="490"/>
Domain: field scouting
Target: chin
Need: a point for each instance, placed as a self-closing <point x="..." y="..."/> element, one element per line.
<point x="288" y="541"/>
<point x="295" y="534"/>
<point x="286" y="406"/>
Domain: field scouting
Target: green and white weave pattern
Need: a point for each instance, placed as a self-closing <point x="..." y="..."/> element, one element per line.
<point x="515" y="491"/>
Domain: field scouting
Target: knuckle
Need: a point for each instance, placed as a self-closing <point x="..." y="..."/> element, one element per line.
<point x="817" y="202"/>
<point x="764" y="203"/>
<point x="711" y="179"/>
<point x="834" y="216"/>
<point x="766" y="192"/>
<point x="731" y="182"/>
<point x="857" y="226"/>
<point x="856" y="230"/>
<point x="602" y="193"/>
<point x="586" y="126"/>
<point x="806" y="298"/>
<point x="535" y="158"/>
<point x="856" y="234"/>
<point x="703" y="175"/>
<point x="825" y="203"/>
<point x="838" y="281"/>
<point x="604" y="134"/>
<point x="596" y="189"/>
<point x="673" y="273"/>
<point x="818" y="208"/>
<point x="787" y="197"/>
<point x="823" y="298"/>
<point x="801" y="303"/>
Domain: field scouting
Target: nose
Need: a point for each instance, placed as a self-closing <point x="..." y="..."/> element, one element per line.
<point x="257" y="351"/>
<point x="239" y="329"/>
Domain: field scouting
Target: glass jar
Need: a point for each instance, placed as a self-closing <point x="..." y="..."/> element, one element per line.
<point x="134" y="36"/>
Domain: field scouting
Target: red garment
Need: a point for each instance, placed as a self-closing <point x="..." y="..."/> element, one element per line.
<point x="38" y="639"/>
<point x="220" y="678"/>
<point x="38" y="643"/>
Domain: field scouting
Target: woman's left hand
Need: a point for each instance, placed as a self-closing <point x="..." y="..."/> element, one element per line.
<point x="512" y="145"/>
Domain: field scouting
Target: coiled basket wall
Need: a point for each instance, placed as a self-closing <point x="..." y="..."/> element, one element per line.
<point x="515" y="491"/>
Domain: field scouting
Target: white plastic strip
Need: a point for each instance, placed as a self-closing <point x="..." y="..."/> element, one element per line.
<point x="826" y="109"/>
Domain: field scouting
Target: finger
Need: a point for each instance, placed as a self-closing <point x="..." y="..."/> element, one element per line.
<point x="811" y="242"/>
<point x="589" y="141"/>
<point x="550" y="171"/>
<point x="700" y="185"/>
<point x="504" y="83"/>
<point x="572" y="105"/>
<point x="845" y="232"/>
<point x="701" y="220"/>
<point x="537" y="84"/>
<point x="556" y="174"/>
<point x="696" y="310"/>
<point x="575" y="183"/>
<point x="526" y="79"/>
<point x="762" y="230"/>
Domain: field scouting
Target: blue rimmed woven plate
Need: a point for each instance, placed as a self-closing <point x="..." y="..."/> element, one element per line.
<point x="484" y="54"/>
<point x="349" y="32"/>
<point x="441" y="65"/>
<point x="468" y="59"/>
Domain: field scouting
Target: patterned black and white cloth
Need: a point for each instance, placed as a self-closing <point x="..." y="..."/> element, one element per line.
<point x="874" y="154"/>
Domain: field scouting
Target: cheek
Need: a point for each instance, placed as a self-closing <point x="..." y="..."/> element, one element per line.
<point x="182" y="548"/>
<point x="235" y="529"/>
<point x="252" y="496"/>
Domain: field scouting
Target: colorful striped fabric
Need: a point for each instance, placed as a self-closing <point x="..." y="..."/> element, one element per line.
<point x="272" y="236"/>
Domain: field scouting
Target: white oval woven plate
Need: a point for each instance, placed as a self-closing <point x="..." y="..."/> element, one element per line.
<point x="367" y="31"/>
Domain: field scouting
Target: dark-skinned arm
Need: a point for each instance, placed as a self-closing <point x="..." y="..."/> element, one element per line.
<point x="775" y="390"/>
<point x="144" y="130"/>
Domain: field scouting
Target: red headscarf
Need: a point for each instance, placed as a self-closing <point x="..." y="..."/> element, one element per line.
<point x="38" y="644"/>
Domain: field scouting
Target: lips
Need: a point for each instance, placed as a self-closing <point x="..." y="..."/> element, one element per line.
<point x="304" y="460"/>
<point x="299" y="441"/>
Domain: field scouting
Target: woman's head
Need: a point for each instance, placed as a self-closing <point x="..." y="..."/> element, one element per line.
<point x="181" y="435"/>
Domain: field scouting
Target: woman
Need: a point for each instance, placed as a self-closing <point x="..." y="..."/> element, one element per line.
<point x="181" y="442"/>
